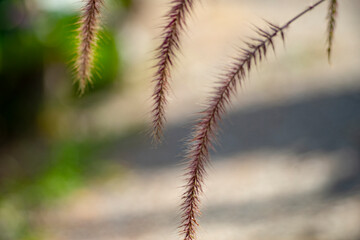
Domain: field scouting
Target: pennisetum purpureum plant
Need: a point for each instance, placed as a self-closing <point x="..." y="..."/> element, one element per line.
<point x="206" y="128"/>
<point x="331" y="25"/>
<point x="174" y="25"/>
<point x="88" y="30"/>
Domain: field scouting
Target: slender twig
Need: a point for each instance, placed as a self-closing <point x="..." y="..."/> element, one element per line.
<point x="206" y="127"/>
<point x="87" y="41"/>
<point x="175" y="23"/>
<point x="331" y="25"/>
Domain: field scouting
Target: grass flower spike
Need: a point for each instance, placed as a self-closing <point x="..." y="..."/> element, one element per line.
<point x="175" y="23"/>
<point x="331" y="25"/>
<point x="206" y="128"/>
<point x="89" y="24"/>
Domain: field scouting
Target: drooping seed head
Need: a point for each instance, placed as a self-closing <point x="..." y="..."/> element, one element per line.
<point x="88" y="30"/>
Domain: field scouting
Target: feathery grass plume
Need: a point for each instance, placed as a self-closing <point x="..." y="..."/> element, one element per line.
<point x="331" y="25"/>
<point x="89" y="24"/>
<point x="206" y="128"/>
<point x="175" y="23"/>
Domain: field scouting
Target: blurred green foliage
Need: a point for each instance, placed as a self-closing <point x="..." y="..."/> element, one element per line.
<point x="21" y="68"/>
<point x="61" y="45"/>
<point x="126" y="3"/>
<point x="32" y="41"/>
<point x="69" y="164"/>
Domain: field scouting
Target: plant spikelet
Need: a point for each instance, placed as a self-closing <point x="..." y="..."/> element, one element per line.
<point x="89" y="24"/>
<point x="331" y="25"/>
<point x="166" y="54"/>
<point x="205" y="130"/>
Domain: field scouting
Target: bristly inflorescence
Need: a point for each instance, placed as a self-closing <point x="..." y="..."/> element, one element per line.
<point x="175" y="23"/>
<point x="206" y="128"/>
<point x="89" y="24"/>
<point x="331" y="25"/>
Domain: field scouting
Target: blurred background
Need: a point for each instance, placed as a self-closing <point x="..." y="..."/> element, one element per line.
<point x="71" y="168"/>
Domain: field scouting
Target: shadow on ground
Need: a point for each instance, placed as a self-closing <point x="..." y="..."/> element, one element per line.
<point x="326" y="123"/>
